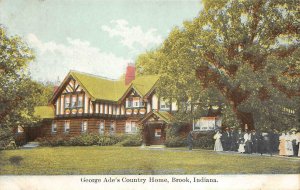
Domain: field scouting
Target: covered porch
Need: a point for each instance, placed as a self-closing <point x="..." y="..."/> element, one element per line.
<point x="154" y="127"/>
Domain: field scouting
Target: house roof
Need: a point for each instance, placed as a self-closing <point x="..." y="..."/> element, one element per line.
<point x="44" y="112"/>
<point x="100" y="88"/>
<point x="163" y="115"/>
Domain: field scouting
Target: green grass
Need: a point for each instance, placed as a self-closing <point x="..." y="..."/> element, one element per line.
<point x="121" y="160"/>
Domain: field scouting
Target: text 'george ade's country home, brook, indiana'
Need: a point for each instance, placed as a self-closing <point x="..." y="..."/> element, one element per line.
<point x="86" y="103"/>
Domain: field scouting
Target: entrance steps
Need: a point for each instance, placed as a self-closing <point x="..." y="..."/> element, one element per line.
<point x="155" y="147"/>
<point x="30" y="145"/>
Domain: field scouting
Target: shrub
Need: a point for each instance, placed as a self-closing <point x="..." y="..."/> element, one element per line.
<point x="81" y="140"/>
<point x="204" y="140"/>
<point x="52" y="141"/>
<point x="132" y="140"/>
<point x="175" y="141"/>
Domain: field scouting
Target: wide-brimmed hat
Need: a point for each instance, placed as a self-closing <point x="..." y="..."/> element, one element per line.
<point x="293" y="129"/>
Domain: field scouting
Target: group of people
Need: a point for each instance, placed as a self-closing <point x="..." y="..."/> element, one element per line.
<point x="258" y="142"/>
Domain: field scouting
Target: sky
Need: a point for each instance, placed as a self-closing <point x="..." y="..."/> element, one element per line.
<point x="95" y="36"/>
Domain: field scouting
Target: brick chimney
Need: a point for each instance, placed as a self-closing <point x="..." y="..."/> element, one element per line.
<point x="130" y="73"/>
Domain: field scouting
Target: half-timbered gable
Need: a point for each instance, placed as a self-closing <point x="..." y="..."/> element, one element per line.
<point x="86" y="103"/>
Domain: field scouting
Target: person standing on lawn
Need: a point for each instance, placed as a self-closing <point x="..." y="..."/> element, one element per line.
<point x="294" y="142"/>
<point x="289" y="145"/>
<point x="190" y="141"/>
<point x="241" y="142"/>
<point x="234" y="140"/>
<point x="254" y="137"/>
<point x="298" y="142"/>
<point x="226" y="139"/>
<point x="218" y="144"/>
<point x="281" y="147"/>
<point x="248" y="142"/>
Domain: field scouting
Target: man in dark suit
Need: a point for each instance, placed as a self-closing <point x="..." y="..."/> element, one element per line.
<point x="234" y="140"/>
<point x="254" y="141"/>
<point x="226" y="139"/>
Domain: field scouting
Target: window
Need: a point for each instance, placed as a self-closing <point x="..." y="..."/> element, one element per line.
<point x="84" y="126"/>
<point x="80" y="101"/>
<point x="20" y="129"/>
<point x="67" y="126"/>
<point x="73" y="102"/>
<point x="129" y="102"/>
<point x="197" y="125"/>
<point x="157" y="133"/>
<point x="205" y="124"/>
<point x="112" y="128"/>
<point x="130" y="127"/>
<point x="164" y="105"/>
<point x="67" y="102"/>
<point x="54" y="127"/>
<point x="101" y="128"/>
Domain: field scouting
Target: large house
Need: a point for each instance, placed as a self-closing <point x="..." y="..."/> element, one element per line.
<point x="86" y="103"/>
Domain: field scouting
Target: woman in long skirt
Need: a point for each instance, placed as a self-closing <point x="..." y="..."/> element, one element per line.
<point x="218" y="144"/>
<point x="281" y="147"/>
<point x="289" y="145"/>
<point x="241" y="142"/>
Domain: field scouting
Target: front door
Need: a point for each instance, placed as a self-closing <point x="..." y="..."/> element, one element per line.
<point x="157" y="135"/>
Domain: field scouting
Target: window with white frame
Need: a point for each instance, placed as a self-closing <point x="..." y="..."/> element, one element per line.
<point x="129" y="102"/>
<point x="73" y="102"/>
<point x="67" y="102"/>
<point x="20" y="129"/>
<point x="67" y="126"/>
<point x="112" y="127"/>
<point x="130" y="127"/>
<point x="54" y="127"/>
<point x="80" y="101"/>
<point x="101" y="128"/>
<point x="205" y="124"/>
<point x="84" y="126"/>
<point x="164" y="105"/>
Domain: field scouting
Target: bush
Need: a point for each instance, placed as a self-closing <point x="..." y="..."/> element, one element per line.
<point x="52" y="141"/>
<point x="204" y="140"/>
<point x="81" y="140"/>
<point x="132" y="140"/>
<point x="175" y="141"/>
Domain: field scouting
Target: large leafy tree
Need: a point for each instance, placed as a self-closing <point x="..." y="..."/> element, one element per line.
<point x="18" y="93"/>
<point x="245" y="52"/>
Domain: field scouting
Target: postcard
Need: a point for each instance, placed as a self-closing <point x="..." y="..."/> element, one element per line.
<point x="131" y="94"/>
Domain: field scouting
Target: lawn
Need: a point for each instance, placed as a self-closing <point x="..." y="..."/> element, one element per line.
<point x="135" y="160"/>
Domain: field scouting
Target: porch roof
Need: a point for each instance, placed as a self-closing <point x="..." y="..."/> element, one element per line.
<point x="163" y="115"/>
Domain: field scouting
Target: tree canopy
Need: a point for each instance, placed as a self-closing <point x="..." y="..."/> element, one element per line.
<point x="242" y="54"/>
<point x="18" y="93"/>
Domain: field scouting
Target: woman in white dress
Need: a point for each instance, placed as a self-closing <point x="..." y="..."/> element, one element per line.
<point x="282" y="146"/>
<point x="241" y="142"/>
<point x="289" y="145"/>
<point x="218" y="144"/>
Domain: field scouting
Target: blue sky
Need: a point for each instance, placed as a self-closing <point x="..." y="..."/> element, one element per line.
<point x="94" y="36"/>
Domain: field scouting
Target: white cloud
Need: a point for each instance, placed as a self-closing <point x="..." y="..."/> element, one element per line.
<point x="55" y="60"/>
<point x="132" y="37"/>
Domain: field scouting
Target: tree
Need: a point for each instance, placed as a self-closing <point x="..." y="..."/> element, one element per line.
<point x="247" y="52"/>
<point x="18" y="93"/>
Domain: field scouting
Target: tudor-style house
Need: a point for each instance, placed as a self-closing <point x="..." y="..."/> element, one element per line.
<point x="86" y="103"/>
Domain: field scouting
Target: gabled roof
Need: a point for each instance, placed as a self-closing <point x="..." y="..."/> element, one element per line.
<point x="100" y="88"/>
<point x="163" y="115"/>
<point x="44" y="112"/>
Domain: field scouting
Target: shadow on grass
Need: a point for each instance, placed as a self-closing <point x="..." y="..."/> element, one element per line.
<point x="15" y="160"/>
